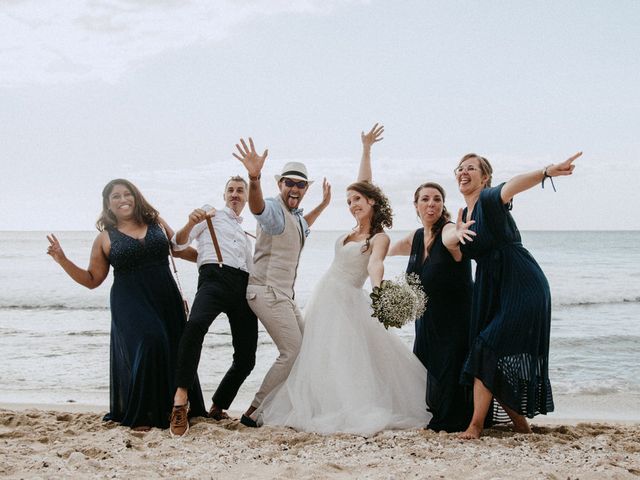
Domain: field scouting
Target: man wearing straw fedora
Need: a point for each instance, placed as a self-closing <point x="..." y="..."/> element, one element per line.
<point x="224" y="262"/>
<point x="281" y="233"/>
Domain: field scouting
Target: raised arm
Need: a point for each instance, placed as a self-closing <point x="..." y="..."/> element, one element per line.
<point x="98" y="268"/>
<point x="182" y="236"/>
<point x="375" y="267"/>
<point x="523" y="182"/>
<point x="326" y="199"/>
<point x="368" y="139"/>
<point x="253" y="163"/>
<point x="402" y="247"/>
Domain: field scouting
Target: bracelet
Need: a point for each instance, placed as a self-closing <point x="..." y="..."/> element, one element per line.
<point x="546" y="175"/>
<point x="255" y="179"/>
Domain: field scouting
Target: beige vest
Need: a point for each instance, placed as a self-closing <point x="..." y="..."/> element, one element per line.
<point x="275" y="261"/>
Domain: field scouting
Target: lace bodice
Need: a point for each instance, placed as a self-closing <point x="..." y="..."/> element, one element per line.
<point x="350" y="263"/>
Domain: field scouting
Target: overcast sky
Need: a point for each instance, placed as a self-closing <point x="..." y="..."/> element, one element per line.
<point x="159" y="91"/>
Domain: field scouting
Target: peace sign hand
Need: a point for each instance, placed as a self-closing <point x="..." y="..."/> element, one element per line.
<point x="54" y="249"/>
<point x="250" y="158"/>
<point x="372" y="136"/>
<point x="463" y="231"/>
<point x="564" y="168"/>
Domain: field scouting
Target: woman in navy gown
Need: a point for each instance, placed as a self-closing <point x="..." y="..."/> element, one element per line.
<point x="442" y="332"/>
<point x="511" y="307"/>
<point x="147" y="314"/>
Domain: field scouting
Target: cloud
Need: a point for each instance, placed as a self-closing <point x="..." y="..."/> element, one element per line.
<point x="48" y="41"/>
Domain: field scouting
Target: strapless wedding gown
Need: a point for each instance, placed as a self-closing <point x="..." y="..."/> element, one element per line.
<point x="351" y="375"/>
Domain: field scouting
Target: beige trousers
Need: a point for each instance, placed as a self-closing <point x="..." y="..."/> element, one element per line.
<point x="282" y="319"/>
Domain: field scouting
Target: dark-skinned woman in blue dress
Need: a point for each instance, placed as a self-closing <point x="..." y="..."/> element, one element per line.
<point x="147" y="314"/>
<point x="511" y="307"/>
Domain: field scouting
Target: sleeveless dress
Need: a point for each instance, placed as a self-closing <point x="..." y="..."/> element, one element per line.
<point x="442" y="332"/>
<point x="351" y="375"/>
<point x="147" y="320"/>
<point x="511" y="313"/>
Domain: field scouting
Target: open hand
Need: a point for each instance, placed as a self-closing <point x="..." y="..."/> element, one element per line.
<point x="250" y="158"/>
<point x="564" y="168"/>
<point x="326" y="192"/>
<point x="463" y="231"/>
<point x="54" y="249"/>
<point x="372" y="136"/>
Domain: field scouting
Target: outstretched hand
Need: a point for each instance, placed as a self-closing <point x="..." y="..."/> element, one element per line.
<point x="463" y="231"/>
<point x="54" y="249"/>
<point x="250" y="158"/>
<point x="372" y="136"/>
<point x="564" y="168"/>
<point x="326" y="192"/>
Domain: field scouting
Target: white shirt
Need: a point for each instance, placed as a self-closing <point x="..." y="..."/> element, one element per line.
<point x="234" y="243"/>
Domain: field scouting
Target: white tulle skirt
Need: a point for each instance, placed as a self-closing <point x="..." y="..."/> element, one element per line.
<point x="351" y="375"/>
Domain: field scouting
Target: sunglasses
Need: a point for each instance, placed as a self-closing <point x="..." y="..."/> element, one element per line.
<point x="291" y="183"/>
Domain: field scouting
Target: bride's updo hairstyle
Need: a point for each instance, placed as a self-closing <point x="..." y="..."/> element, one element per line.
<point x="382" y="214"/>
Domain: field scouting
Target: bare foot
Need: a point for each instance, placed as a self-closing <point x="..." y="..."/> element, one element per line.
<point x="521" y="425"/>
<point x="471" y="433"/>
<point x="141" y="428"/>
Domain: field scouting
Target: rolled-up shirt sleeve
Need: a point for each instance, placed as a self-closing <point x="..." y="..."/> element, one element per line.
<point x="271" y="219"/>
<point x="195" y="231"/>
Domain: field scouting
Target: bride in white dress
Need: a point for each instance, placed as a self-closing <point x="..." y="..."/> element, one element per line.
<point x="352" y="375"/>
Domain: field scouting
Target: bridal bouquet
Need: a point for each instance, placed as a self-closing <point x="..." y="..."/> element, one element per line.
<point x="398" y="302"/>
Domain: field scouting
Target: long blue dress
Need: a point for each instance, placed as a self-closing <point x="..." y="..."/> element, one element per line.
<point x="442" y="332"/>
<point x="147" y="320"/>
<point x="511" y="313"/>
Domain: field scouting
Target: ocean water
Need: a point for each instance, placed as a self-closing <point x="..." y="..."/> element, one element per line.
<point x="54" y="334"/>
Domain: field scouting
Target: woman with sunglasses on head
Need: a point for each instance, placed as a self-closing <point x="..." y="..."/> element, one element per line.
<point x="442" y="332"/>
<point x="511" y="307"/>
<point x="351" y="374"/>
<point x="147" y="310"/>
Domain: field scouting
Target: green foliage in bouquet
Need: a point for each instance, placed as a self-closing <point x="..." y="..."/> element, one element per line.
<point x="398" y="302"/>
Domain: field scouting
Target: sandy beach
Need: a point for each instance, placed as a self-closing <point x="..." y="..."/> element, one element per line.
<point x="76" y="443"/>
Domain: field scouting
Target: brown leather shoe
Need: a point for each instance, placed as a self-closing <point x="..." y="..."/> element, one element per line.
<point x="218" y="414"/>
<point x="179" y="422"/>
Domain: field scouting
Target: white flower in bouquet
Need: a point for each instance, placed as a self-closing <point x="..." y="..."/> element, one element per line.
<point x="397" y="302"/>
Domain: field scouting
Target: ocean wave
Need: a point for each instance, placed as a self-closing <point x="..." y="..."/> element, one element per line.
<point x="591" y="388"/>
<point x="53" y="306"/>
<point x="593" y="302"/>
<point x="88" y="333"/>
<point x="599" y="342"/>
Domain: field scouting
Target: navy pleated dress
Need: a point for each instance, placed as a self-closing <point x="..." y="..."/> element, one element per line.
<point x="511" y="313"/>
<point x="442" y="332"/>
<point x="147" y="320"/>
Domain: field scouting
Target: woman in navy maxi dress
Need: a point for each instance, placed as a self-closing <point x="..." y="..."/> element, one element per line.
<point x="511" y="307"/>
<point x="147" y="314"/>
<point x="442" y="332"/>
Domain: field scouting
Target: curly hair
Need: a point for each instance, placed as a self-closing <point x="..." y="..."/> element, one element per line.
<point x="382" y="214"/>
<point x="485" y="166"/>
<point x="142" y="210"/>
<point x="444" y="218"/>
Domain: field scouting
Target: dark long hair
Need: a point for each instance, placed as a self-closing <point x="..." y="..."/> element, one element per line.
<point x="382" y="214"/>
<point x="485" y="166"/>
<point x="142" y="210"/>
<point x="444" y="218"/>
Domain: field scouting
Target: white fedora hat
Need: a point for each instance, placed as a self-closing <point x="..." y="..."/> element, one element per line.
<point x="294" y="171"/>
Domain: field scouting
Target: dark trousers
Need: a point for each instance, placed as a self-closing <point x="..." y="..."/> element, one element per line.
<point x="220" y="289"/>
